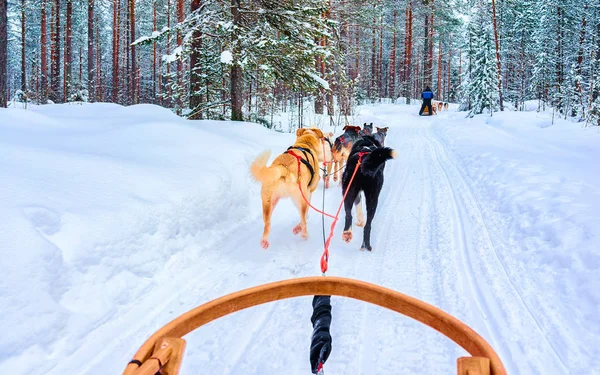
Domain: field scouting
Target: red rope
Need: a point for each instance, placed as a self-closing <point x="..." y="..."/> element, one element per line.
<point x="325" y="256"/>
<point x="298" y="158"/>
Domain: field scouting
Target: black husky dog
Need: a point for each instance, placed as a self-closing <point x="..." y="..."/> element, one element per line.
<point x="366" y="130"/>
<point x="380" y="135"/>
<point x="368" y="179"/>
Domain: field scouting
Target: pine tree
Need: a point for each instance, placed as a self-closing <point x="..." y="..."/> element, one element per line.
<point x="273" y="40"/>
<point x="481" y="84"/>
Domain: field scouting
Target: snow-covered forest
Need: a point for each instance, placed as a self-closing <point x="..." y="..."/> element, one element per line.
<point x="251" y="59"/>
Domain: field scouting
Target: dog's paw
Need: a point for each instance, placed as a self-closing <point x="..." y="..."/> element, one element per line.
<point x="364" y="247"/>
<point x="304" y="235"/>
<point x="347" y="236"/>
<point x="297" y="229"/>
<point x="360" y="222"/>
<point x="264" y="243"/>
<point x="335" y="179"/>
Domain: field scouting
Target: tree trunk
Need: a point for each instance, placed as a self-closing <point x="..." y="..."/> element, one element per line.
<point x="196" y="98"/>
<point x="55" y="54"/>
<point x="90" y="52"/>
<point x="68" y="73"/>
<point x="154" y="51"/>
<point x="236" y="69"/>
<point x="99" y="91"/>
<point x="319" y="103"/>
<point x="497" y="42"/>
<point x="115" y="53"/>
<point x="408" y="54"/>
<point x="356" y="52"/>
<point x="23" y="49"/>
<point x="439" y="72"/>
<point x="44" y="55"/>
<point x="373" y="80"/>
<point x="392" y="70"/>
<point x="168" y="87"/>
<point x="449" y="71"/>
<point x="426" y="41"/>
<point x="429" y="71"/>
<point x="3" y="53"/>
<point x="180" y="19"/>
<point x="380" y="69"/>
<point x="133" y="73"/>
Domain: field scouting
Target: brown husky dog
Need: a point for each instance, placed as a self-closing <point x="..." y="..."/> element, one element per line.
<point x="281" y="179"/>
<point x="342" y="146"/>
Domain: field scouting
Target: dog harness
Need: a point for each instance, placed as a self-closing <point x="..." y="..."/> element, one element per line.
<point x="306" y="152"/>
<point x="345" y="139"/>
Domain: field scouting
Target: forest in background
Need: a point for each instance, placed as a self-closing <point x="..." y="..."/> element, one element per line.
<point x="246" y="60"/>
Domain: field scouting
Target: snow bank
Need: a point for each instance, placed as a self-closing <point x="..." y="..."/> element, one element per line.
<point x="542" y="188"/>
<point x="100" y="204"/>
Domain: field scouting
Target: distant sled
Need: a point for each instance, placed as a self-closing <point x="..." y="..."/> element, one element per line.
<point x="163" y="351"/>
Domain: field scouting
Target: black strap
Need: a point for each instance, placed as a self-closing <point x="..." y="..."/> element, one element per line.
<point x="136" y="362"/>
<point x="306" y="152"/>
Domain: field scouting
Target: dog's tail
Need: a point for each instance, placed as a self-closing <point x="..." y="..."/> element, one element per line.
<point x="261" y="172"/>
<point x="373" y="161"/>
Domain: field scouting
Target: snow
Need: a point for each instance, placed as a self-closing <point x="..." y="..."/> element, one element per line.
<point x="226" y="57"/>
<point x="321" y="81"/>
<point x="173" y="56"/>
<point x="118" y="219"/>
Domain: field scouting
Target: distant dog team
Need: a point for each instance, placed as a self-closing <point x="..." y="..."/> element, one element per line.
<point x="295" y="174"/>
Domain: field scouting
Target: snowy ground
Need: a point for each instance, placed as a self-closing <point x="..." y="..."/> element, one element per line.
<point x="116" y="220"/>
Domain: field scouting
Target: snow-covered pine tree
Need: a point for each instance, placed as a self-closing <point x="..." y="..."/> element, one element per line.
<point x="520" y="23"/>
<point x="482" y="83"/>
<point x="274" y="40"/>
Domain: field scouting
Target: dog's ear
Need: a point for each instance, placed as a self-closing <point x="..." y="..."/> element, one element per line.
<point x="371" y="124"/>
<point x="385" y="129"/>
<point x="300" y="131"/>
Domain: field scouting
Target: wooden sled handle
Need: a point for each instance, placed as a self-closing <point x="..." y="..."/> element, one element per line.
<point x="427" y="314"/>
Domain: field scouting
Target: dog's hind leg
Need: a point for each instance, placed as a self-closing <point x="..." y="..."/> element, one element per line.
<point x="336" y="171"/>
<point x="303" y="210"/>
<point x="327" y="176"/>
<point x="351" y="197"/>
<point x="372" y="200"/>
<point x="268" y="206"/>
<point x="360" y="216"/>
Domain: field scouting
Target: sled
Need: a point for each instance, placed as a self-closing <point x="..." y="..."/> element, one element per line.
<point x="163" y="351"/>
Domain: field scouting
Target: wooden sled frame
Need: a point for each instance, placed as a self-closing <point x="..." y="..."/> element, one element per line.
<point x="165" y="348"/>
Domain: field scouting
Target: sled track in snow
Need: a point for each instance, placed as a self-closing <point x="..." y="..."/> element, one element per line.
<point x="489" y="306"/>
